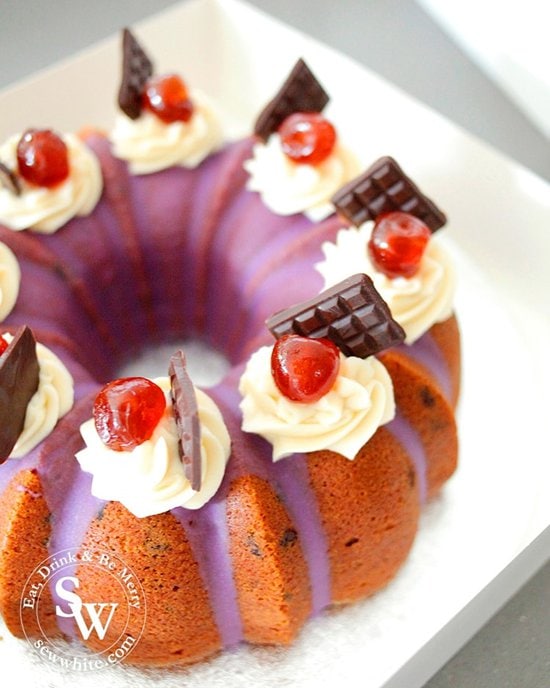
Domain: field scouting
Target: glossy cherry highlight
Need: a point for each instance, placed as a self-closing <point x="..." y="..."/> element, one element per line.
<point x="42" y="157"/>
<point x="126" y="412"/>
<point x="3" y="345"/>
<point x="397" y="244"/>
<point x="304" y="369"/>
<point x="307" y="137"/>
<point x="167" y="97"/>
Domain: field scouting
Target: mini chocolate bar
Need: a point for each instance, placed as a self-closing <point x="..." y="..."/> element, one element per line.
<point x="301" y="92"/>
<point x="9" y="180"/>
<point x="352" y="314"/>
<point x="136" y="69"/>
<point x="19" y="376"/>
<point x="383" y="188"/>
<point x="186" y="411"/>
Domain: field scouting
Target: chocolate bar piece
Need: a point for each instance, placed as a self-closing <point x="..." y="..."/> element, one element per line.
<point x="19" y="371"/>
<point x="186" y="411"/>
<point x="352" y="314"/>
<point x="136" y="69"/>
<point x="383" y="188"/>
<point x="301" y="92"/>
<point x="9" y="180"/>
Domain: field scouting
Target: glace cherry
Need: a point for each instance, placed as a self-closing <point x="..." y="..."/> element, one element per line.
<point x="307" y="137"/>
<point x="126" y="412"/>
<point x="397" y="244"/>
<point x="304" y="369"/>
<point x="3" y="345"/>
<point x="167" y="97"/>
<point x="42" y="157"/>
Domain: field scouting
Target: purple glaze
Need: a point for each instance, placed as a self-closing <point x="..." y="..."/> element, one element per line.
<point x="73" y="519"/>
<point x="426" y="352"/>
<point x="48" y="303"/>
<point x="290" y="479"/>
<point x="162" y="220"/>
<point x="209" y="538"/>
<point x="10" y="468"/>
<point x="208" y="532"/>
<point x="67" y="491"/>
<point x="291" y="476"/>
<point x="407" y="436"/>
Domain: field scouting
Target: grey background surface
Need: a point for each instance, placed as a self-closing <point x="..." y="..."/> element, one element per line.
<point x="397" y="39"/>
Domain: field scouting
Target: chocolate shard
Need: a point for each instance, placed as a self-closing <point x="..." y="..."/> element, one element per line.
<point x="186" y="411"/>
<point x="9" y="180"/>
<point x="301" y="92"/>
<point x="19" y="373"/>
<point x="352" y="314"/>
<point x="136" y="69"/>
<point x="383" y="188"/>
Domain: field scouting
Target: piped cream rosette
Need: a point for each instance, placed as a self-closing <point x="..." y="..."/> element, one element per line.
<point x="287" y="187"/>
<point x="343" y="420"/>
<point x="416" y="302"/>
<point x="53" y="398"/>
<point x="150" y="479"/>
<point x="10" y="280"/>
<point x="333" y="395"/>
<point x="46" y="209"/>
<point x="148" y="144"/>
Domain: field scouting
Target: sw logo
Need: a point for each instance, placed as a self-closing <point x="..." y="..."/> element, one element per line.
<point x="96" y="616"/>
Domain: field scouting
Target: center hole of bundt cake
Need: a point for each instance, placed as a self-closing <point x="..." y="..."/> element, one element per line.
<point x="206" y="365"/>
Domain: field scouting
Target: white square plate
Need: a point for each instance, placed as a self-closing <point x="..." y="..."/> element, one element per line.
<point x="487" y="532"/>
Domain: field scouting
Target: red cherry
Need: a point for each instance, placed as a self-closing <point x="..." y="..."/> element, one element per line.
<point x="397" y="244"/>
<point x="3" y="345"/>
<point x="304" y="369"/>
<point x="126" y="412"/>
<point x="307" y="137"/>
<point x="42" y="157"/>
<point x="167" y="97"/>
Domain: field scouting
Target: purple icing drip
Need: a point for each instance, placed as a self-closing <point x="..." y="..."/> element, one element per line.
<point x="77" y="512"/>
<point x="67" y="491"/>
<point x="426" y="352"/>
<point x="290" y="478"/>
<point x="12" y="466"/>
<point x="291" y="475"/>
<point x="404" y="433"/>
<point x="209" y="538"/>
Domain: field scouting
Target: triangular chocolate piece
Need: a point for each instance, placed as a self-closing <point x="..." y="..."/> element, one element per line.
<point x="301" y="92"/>
<point x="383" y="188"/>
<point x="9" y="180"/>
<point x="352" y="314"/>
<point x="19" y="373"/>
<point x="186" y="411"/>
<point x="136" y="69"/>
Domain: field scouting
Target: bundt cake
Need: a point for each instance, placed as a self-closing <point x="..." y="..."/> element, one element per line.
<point x="133" y="510"/>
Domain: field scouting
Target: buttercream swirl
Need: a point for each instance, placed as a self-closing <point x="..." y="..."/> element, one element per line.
<point x="51" y="401"/>
<point x="287" y="187"/>
<point x="415" y="302"/>
<point x="150" y="479"/>
<point x="10" y="279"/>
<point x="148" y="144"/>
<point x="343" y="420"/>
<point x="44" y="209"/>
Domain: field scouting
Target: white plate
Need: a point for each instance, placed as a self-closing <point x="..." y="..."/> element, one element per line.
<point x="488" y="531"/>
